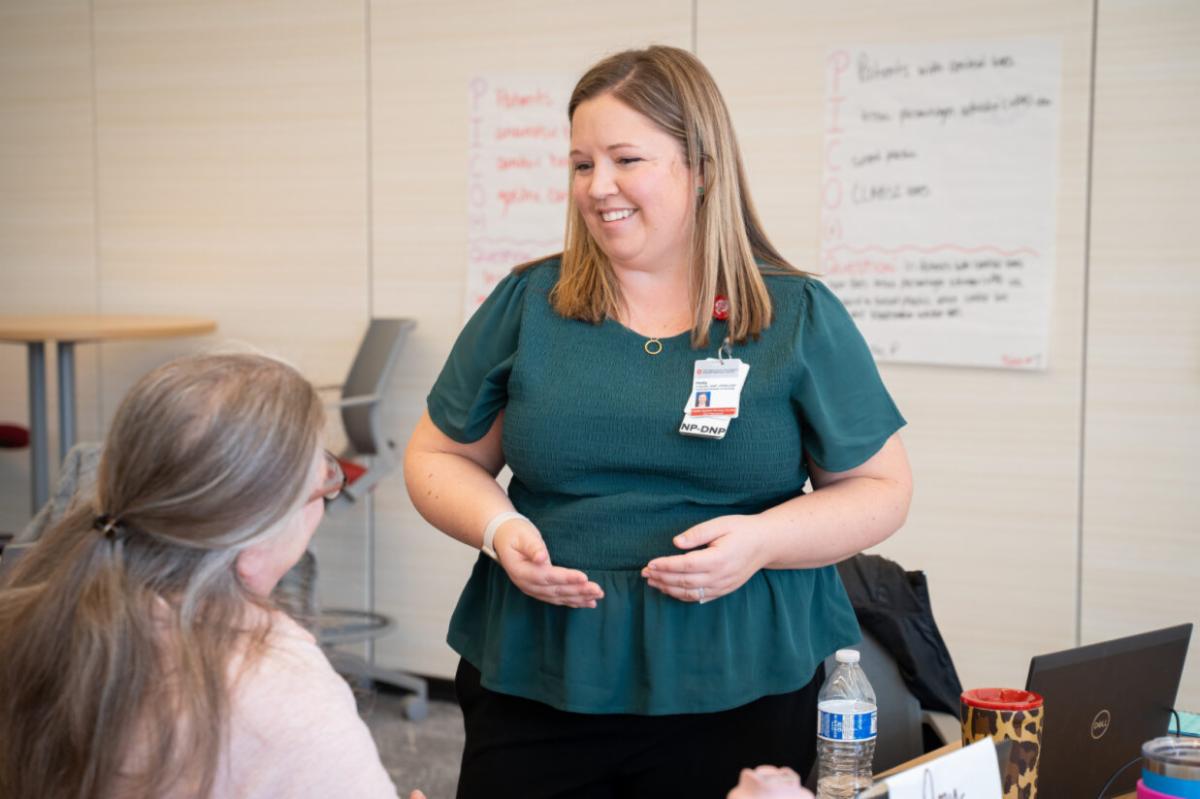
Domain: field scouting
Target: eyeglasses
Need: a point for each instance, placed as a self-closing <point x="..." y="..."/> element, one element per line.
<point x="335" y="480"/>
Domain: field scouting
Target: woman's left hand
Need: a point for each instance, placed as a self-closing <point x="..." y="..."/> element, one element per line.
<point x="733" y="550"/>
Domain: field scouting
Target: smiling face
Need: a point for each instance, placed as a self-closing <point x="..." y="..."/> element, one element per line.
<point x="632" y="186"/>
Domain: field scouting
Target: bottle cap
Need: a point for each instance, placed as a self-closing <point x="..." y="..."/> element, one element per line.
<point x="847" y="656"/>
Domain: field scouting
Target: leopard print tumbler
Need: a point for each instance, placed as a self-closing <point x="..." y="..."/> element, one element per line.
<point x="1007" y="714"/>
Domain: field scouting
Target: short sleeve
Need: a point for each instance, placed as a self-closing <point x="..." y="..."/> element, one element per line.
<point x="472" y="388"/>
<point x="846" y="413"/>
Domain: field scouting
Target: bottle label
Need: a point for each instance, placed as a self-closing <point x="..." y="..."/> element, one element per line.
<point x="845" y="722"/>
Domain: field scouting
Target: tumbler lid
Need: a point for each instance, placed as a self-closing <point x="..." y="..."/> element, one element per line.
<point x="1002" y="698"/>
<point x="1172" y="756"/>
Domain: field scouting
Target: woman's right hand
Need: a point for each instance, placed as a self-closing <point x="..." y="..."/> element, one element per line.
<point x="522" y="552"/>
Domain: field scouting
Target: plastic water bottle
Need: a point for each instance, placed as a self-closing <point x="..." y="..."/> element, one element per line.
<point x="845" y="730"/>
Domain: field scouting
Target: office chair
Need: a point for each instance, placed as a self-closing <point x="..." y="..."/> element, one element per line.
<point x="904" y="658"/>
<point x="899" y="711"/>
<point x="361" y="403"/>
<point x="894" y="605"/>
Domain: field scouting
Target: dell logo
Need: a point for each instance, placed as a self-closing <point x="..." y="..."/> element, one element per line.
<point x="1100" y="724"/>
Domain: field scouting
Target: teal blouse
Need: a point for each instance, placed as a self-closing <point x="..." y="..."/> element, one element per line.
<point x="591" y="436"/>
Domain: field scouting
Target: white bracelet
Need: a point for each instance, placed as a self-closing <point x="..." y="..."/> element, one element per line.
<point x="489" y="532"/>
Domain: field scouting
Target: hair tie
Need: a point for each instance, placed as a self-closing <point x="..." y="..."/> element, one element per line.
<point x="108" y="526"/>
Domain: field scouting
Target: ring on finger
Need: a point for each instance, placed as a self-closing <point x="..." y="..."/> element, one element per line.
<point x="700" y="595"/>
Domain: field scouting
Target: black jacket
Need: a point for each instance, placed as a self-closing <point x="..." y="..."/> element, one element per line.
<point x="893" y="605"/>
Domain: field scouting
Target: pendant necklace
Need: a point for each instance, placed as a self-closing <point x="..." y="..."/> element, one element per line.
<point x="654" y="345"/>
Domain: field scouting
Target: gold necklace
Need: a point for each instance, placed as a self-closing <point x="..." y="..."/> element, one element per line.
<point x="654" y="345"/>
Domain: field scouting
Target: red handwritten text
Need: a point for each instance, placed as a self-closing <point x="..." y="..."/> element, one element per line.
<point x="507" y="99"/>
<point x="516" y="162"/>
<point x="544" y="132"/>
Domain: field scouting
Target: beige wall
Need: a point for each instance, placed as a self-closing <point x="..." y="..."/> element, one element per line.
<point x="419" y="108"/>
<point x="291" y="168"/>
<point x="978" y="438"/>
<point x="47" y="205"/>
<point x="1140" y="553"/>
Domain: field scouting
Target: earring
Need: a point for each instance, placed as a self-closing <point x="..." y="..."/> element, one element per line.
<point x="699" y="191"/>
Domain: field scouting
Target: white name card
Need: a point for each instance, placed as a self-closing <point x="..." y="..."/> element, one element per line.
<point x="969" y="773"/>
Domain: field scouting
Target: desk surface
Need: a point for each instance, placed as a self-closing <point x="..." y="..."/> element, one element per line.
<point x="98" y="327"/>
<point x="936" y="753"/>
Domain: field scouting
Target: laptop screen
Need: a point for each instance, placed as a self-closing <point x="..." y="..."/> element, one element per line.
<point x="1103" y="701"/>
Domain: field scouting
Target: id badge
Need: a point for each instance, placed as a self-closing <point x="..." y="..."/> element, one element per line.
<point x="715" y="398"/>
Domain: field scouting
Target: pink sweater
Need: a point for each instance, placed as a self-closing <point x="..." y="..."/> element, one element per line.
<point x="295" y="729"/>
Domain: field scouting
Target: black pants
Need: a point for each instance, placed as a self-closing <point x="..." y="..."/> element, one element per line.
<point x="527" y="750"/>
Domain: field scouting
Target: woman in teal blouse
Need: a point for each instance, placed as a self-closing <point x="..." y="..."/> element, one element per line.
<point x="654" y="599"/>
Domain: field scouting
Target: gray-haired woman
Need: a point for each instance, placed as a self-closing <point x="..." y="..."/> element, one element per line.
<point x="142" y="656"/>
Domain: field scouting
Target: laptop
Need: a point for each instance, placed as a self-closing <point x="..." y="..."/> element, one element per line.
<point x="1103" y="701"/>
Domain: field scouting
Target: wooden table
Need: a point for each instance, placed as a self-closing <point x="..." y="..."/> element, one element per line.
<point x="950" y="747"/>
<point x="69" y="329"/>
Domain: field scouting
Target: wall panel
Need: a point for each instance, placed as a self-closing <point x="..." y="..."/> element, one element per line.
<point x="423" y="54"/>
<point x="47" y="231"/>
<point x="1141" y="520"/>
<point x="233" y="170"/>
<point x="995" y="454"/>
<point x="232" y="146"/>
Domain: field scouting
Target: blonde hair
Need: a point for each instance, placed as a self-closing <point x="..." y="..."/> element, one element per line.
<point x="122" y="643"/>
<point x="671" y="88"/>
